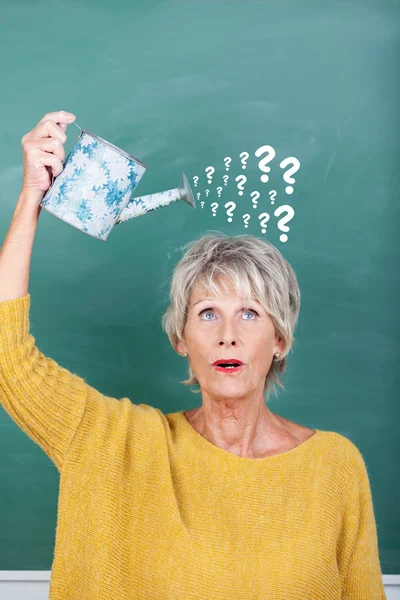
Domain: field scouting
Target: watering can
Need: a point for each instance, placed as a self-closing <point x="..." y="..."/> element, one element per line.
<point x="93" y="192"/>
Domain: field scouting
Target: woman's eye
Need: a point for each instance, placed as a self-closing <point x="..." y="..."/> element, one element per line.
<point x="251" y="311"/>
<point x="206" y="311"/>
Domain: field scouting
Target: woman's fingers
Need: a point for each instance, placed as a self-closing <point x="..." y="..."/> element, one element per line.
<point x="48" y="144"/>
<point x="43" y="151"/>
<point x="61" y="116"/>
<point x="51" y="125"/>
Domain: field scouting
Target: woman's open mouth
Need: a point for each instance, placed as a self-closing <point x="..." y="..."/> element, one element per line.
<point x="228" y="366"/>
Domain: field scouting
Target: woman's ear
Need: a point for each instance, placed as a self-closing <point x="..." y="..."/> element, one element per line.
<point x="180" y="347"/>
<point x="280" y="343"/>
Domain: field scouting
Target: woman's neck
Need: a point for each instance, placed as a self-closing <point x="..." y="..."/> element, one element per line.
<point x="252" y="433"/>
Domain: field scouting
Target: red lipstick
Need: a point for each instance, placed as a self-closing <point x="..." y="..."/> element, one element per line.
<point x="229" y="365"/>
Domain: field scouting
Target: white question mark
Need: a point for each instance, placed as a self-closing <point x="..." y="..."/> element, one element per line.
<point x="244" y="156"/>
<point x="264" y="217"/>
<point x="210" y="172"/>
<point x="195" y="180"/>
<point x="282" y="222"/>
<point x="219" y="191"/>
<point x="262" y="165"/>
<point x="198" y="195"/>
<point x="207" y="192"/>
<point x="202" y="204"/>
<point x="287" y="176"/>
<point x="272" y="195"/>
<point x="254" y="198"/>
<point x="227" y="161"/>
<point x="230" y="210"/>
<point x="246" y="219"/>
<point x="225" y="178"/>
<point x="214" y="207"/>
<point x="242" y="180"/>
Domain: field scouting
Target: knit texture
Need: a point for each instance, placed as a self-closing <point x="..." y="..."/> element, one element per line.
<point x="149" y="509"/>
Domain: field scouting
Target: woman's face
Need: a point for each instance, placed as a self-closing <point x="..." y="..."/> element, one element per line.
<point x="225" y="328"/>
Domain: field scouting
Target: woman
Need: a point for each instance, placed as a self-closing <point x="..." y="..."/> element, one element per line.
<point x="228" y="501"/>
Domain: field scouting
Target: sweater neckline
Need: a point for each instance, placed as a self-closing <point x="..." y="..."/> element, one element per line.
<point x="221" y="452"/>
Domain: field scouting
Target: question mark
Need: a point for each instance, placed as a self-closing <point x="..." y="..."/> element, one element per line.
<point x="282" y="222"/>
<point x="272" y="195"/>
<point x="254" y="198"/>
<point x="264" y="217"/>
<point x="202" y="204"/>
<point x="262" y="165"/>
<point x="242" y="180"/>
<point x="207" y="192"/>
<point x="219" y="191"/>
<point x="246" y="219"/>
<point x="210" y="171"/>
<point x="195" y="180"/>
<point x="227" y="161"/>
<point x="287" y="176"/>
<point x="225" y="178"/>
<point x="230" y="210"/>
<point x="244" y="156"/>
<point x="198" y="195"/>
<point x="214" y="207"/>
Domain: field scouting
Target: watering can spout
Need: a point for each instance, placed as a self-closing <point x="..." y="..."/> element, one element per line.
<point x="185" y="191"/>
<point x="143" y="204"/>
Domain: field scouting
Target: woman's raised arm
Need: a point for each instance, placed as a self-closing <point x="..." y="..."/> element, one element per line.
<point x="43" y="398"/>
<point x="43" y="153"/>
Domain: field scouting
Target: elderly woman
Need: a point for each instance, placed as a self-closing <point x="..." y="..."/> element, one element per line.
<point x="228" y="501"/>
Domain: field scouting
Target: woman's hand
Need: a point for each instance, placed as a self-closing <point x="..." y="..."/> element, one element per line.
<point x="43" y="153"/>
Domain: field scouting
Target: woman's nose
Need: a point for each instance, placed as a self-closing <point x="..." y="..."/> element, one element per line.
<point x="227" y="342"/>
<point x="227" y="335"/>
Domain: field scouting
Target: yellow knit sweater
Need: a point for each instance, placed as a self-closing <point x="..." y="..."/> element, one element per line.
<point x="151" y="510"/>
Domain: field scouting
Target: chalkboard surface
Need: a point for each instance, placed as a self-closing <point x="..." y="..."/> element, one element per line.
<point x="183" y="86"/>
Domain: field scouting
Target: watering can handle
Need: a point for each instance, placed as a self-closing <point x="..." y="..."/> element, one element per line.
<point x="80" y="130"/>
<point x="74" y="123"/>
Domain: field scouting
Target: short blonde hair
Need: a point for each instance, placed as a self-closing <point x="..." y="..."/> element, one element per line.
<point x="256" y="268"/>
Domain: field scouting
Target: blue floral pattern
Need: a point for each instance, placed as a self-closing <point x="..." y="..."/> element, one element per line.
<point x="143" y="204"/>
<point x="94" y="187"/>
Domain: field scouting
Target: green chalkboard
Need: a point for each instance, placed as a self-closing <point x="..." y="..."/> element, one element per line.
<point x="183" y="85"/>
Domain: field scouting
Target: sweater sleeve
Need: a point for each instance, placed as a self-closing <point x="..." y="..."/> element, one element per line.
<point x="359" y="555"/>
<point x="45" y="400"/>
